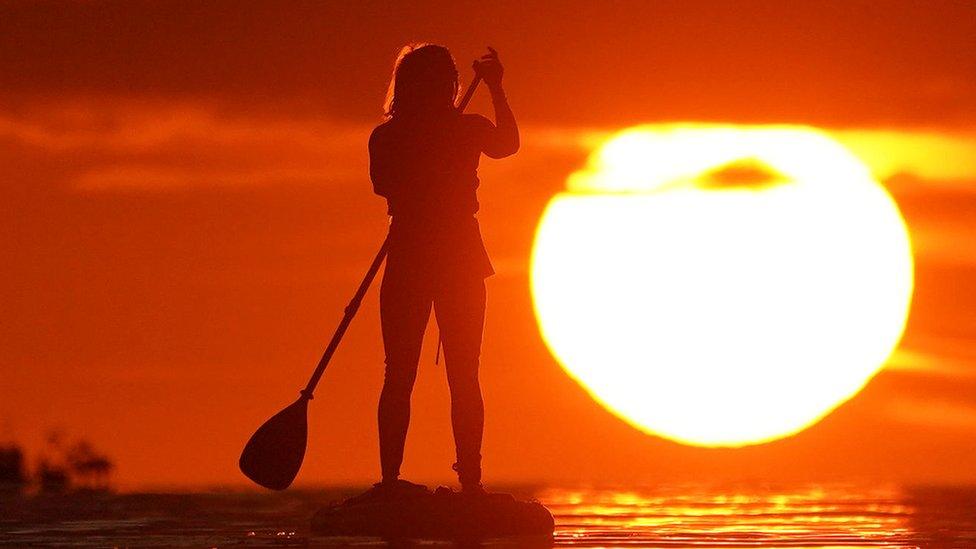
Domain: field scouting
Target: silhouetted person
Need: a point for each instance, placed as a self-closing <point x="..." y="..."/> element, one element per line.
<point x="424" y="161"/>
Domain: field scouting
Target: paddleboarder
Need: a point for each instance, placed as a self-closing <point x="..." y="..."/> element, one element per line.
<point x="424" y="161"/>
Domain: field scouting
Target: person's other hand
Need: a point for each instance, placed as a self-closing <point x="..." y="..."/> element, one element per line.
<point x="489" y="68"/>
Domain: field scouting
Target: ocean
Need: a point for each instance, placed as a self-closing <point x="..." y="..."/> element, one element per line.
<point x="815" y="516"/>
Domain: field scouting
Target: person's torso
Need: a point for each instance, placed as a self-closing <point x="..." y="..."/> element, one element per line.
<point x="432" y="166"/>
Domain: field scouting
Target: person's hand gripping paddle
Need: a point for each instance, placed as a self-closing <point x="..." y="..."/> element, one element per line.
<point x="274" y="454"/>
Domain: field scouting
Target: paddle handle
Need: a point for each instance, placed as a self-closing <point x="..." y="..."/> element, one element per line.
<point x="468" y="93"/>
<point x="357" y="299"/>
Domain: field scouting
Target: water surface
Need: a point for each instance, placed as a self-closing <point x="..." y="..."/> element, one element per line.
<point x="664" y="516"/>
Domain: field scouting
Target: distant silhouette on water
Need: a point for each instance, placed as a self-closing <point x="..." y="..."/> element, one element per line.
<point x="61" y="468"/>
<point x="424" y="161"/>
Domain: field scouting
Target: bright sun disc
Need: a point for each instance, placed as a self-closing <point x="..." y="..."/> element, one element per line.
<point x="722" y="285"/>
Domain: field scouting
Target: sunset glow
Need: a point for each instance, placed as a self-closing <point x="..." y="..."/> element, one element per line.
<point x="189" y="211"/>
<point x="722" y="285"/>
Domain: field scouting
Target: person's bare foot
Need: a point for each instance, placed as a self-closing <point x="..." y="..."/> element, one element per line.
<point x="400" y="486"/>
<point x="389" y="489"/>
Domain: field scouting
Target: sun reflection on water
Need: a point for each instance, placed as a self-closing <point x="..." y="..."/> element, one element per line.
<point x="700" y="517"/>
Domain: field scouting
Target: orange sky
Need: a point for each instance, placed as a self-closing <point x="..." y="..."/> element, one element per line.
<point x="185" y="211"/>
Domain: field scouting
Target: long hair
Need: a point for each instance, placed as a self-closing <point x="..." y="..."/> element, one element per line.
<point x="425" y="80"/>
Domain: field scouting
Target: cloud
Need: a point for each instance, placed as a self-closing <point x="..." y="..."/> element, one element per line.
<point x="934" y="414"/>
<point x="906" y="160"/>
<point x="935" y="158"/>
<point x="99" y="146"/>
<point x="159" y="146"/>
<point x="934" y="384"/>
<point x="748" y="173"/>
<point x="130" y="127"/>
<point x="952" y="358"/>
<point x="947" y="241"/>
<point x="162" y="178"/>
<point x="163" y="146"/>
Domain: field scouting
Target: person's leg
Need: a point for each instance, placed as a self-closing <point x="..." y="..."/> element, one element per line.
<point x="460" y="310"/>
<point x="404" y="311"/>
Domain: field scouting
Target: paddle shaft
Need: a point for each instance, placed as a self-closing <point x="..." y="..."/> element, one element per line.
<point x="374" y="268"/>
<point x="468" y="93"/>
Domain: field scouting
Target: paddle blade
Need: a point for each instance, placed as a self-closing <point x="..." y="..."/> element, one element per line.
<point x="275" y="452"/>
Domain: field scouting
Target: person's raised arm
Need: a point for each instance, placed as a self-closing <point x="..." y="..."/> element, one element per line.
<point x="503" y="138"/>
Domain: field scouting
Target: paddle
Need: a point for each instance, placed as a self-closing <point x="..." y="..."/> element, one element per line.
<point x="274" y="454"/>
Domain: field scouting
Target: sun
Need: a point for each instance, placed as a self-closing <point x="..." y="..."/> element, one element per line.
<point x="722" y="285"/>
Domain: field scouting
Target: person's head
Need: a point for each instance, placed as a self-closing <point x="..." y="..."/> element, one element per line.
<point x="425" y="81"/>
